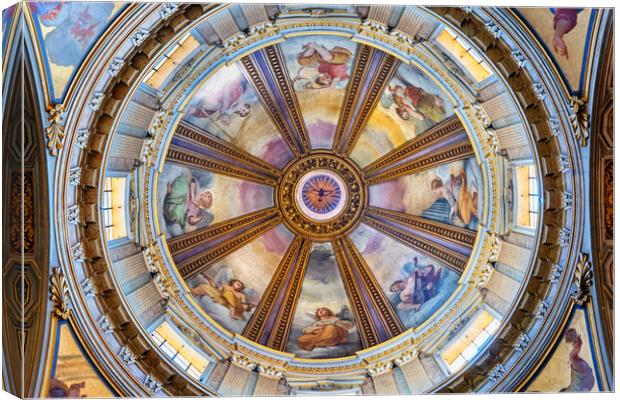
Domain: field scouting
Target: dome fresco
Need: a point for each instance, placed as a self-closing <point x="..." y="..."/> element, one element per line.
<point x="271" y="199"/>
<point x="406" y="275"/>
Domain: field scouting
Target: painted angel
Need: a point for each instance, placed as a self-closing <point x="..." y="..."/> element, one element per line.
<point x="328" y="329"/>
<point x="229" y="292"/>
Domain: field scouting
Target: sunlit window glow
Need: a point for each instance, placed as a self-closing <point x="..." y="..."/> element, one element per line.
<point x="528" y="196"/>
<point x="470" y="341"/>
<point x="465" y="54"/>
<point x="173" y="345"/>
<point x="114" y="207"/>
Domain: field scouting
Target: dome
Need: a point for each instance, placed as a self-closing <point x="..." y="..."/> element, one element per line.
<point x="299" y="199"/>
<point x="275" y="189"/>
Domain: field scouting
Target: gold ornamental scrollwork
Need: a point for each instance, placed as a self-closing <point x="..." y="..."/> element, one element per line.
<point x="59" y="294"/>
<point x="356" y="199"/>
<point x="55" y="132"/>
<point x="583" y="280"/>
<point x="580" y="119"/>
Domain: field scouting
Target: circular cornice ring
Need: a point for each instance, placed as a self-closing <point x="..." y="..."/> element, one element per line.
<point x="535" y="292"/>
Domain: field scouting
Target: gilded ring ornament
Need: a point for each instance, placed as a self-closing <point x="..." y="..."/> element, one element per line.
<point x="316" y="178"/>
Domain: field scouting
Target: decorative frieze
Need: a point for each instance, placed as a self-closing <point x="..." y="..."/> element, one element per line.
<point x="152" y="384"/>
<point x="88" y="287"/>
<point x="565" y="236"/>
<point x="73" y="214"/>
<point x="519" y="58"/>
<point x="242" y="361"/>
<point x="167" y="9"/>
<point x="495" y="30"/>
<point x="564" y="162"/>
<point x="555" y="127"/>
<point x="95" y="101"/>
<point x="497" y="373"/>
<point x="270" y="371"/>
<point x="105" y="324"/>
<point x="481" y="114"/>
<point x="82" y="138"/>
<point x="556" y="272"/>
<point x="115" y="66"/>
<point x="77" y="252"/>
<point x="495" y="245"/>
<point x="406" y="357"/>
<point x="522" y="343"/>
<point x="380" y="368"/>
<point x="139" y="37"/>
<point x="74" y="176"/>
<point x="541" y="310"/>
<point x="539" y="90"/>
<point x="127" y="356"/>
<point x="567" y="200"/>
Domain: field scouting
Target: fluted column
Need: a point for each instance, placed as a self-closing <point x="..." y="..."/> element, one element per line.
<point x="380" y="13"/>
<point x="431" y="367"/>
<point x="512" y="136"/>
<point x="383" y="379"/>
<point x="146" y="303"/>
<point x="237" y="376"/>
<point x="129" y="272"/>
<point x="498" y="107"/>
<point x="415" y="23"/>
<point x="502" y="289"/>
<point x="217" y="375"/>
<point x="268" y="383"/>
<point x="415" y="375"/>
<point x="514" y="256"/>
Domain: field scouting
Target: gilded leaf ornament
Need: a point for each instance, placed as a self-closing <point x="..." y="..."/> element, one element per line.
<point x="580" y="119"/>
<point x="583" y="280"/>
<point x="55" y="132"/>
<point x="59" y="294"/>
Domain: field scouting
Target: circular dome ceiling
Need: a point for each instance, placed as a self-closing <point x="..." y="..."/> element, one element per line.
<point x="346" y="191"/>
<point x="320" y="197"/>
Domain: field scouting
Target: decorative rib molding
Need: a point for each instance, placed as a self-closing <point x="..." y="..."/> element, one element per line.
<point x="454" y="234"/>
<point x="266" y="71"/>
<point x="187" y="241"/>
<point x="226" y="150"/>
<point x="379" y="300"/>
<point x="284" y="319"/>
<point x="454" y="152"/>
<point x="192" y="159"/>
<point x="452" y="259"/>
<point x="435" y="135"/>
<point x="371" y="72"/>
<point x="256" y="326"/>
<point x="367" y="329"/>
<point x="193" y="265"/>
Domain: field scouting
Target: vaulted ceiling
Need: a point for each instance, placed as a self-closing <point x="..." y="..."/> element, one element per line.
<point x="381" y="199"/>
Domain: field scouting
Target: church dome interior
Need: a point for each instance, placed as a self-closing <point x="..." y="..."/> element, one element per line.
<point x="294" y="199"/>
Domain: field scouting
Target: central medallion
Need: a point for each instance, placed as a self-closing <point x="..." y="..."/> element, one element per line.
<point x="321" y="195"/>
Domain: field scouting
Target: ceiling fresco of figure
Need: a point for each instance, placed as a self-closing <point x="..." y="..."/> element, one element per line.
<point x="296" y="199"/>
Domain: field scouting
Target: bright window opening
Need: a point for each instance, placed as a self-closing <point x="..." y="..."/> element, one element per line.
<point x="470" y="341"/>
<point x="528" y="196"/>
<point x="179" y="351"/>
<point x="170" y="60"/>
<point x="465" y="54"/>
<point x="114" y="201"/>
